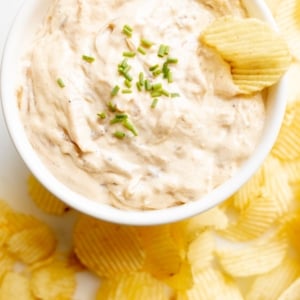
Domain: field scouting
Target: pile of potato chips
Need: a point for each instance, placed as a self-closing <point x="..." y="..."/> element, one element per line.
<point x="247" y="248"/>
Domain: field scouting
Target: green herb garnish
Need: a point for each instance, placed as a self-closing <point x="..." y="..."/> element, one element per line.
<point x="129" y="54"/>
<point x="119" y="118"/>
<point x="102" y="115"/>
<point x="115" y="91"/>
<point x="60" y="83"/>
<point x="130" y="127"/>
<point x="141" y="50"/>
<point x="154" y="103"/>
<point x="145" y="43"/>
<point x="127" y="30"/>
<point x="88" y="59"/>
<point x="119" y="134"/>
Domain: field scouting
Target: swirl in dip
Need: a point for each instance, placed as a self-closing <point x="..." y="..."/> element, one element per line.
<point x="136" y="147"/>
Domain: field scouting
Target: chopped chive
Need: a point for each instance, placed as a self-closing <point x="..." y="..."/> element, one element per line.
<point x="174" y="95"/>
<point x="119" y="118"/>
<point x="129" y="54"/>
<point x="123" y="64"/>
<point x="155" y="94"/>
<point x="154" y="103"/>
<point x="157" y="72"/>
<point x="167" y="49"/>
<point x="127" y="83"/>
<point x="145" y="43"/>
<point x="119" y="134"/>
<point x="126" y="91"/>
<point x="163" y="50"/>
<point x="153" y="68"/>
<point x="102" y="115"/>
<point x="60" y="83"/>
<point x="88" y="59"/>
<point x="157" y="87"/>
<point x="165" y="93"/>
<point x="141" y="50"/>
<point x="139" y="86"/>
<point x="130" y="127"/>
<point x="115" y="91"/>
<point x="141" y="78"/>
<point x="111" y="106"/>
<point x="148" y="85"/>
<point x="170" y="77"/>
<point x="126" y="75"/>
<point x="127" y="30"/>
<point x="172" y="60"/>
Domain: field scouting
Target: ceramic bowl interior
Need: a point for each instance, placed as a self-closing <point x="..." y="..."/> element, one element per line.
<point x="21" y="34"/>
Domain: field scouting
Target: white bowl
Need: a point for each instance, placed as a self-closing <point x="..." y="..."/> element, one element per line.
<point x="25" y="24"/>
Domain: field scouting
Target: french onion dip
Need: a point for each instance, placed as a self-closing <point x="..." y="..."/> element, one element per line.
<point x="125" y="105"/>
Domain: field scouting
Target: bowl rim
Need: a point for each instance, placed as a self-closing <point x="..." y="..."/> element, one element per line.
<point x="110" y="213"/>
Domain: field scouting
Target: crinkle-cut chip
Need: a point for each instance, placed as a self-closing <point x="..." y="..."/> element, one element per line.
<point x="53" y="281"/>
<point x="6" y="262"/>
<point x="254" y="221"/>
<point x="15" y="286"/>
<point x="254" y="259"/>
<point x="214" y="218"/>
<point x="4" y="232"/>
<point x="4" y="208"/>
<point x="200" y="251"/>
<point x="44" y="200"/>
<point x="163" y="256"/>
<point x="250" y="190"/>
<point x="252" y="68"/>
<point x="292" y="228"/>
<point x="292" y="87"/>
<point x="211" y="284"/>
<point x="32" y="245"/>
<point x="134" y="286"/>
<point x="287" y="146"/>
<point x="107" y="249"/>
<point x="183" y="279"/>
<point x="277" y="185"/>
<point x="292" y="169"/>
<point x="271" y="285"/>
<point x="292" y="292"/>
<point x="287" y="17"/>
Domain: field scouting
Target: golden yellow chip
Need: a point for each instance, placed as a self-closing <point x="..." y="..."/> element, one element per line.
<point x="273" y="5"/>
<point x="253" y="221"/>
<point x="271" y="285"/>
<point x="255" y="259"/>
<point x="32" y="245"/>
<point x="107" y="249"/>
<point x="53" y="281"/>
<point x="4" y="208"/>
<point x="211" y="284"/>
<point x="292" y="227"/>
<point x="287" y="17"/>
<point x="287" y="146"/>
<point x="134" y="286"/>
<point x="163" y="256"/>
<point x="4" y="231"/>
<point x="15" y="286"/>
<point x="292" y="292"/>
<point x="47" y="202"/>
<point x="6" y="263"/>
<point x="252" y="68"/>
<point x="200" y="251"/>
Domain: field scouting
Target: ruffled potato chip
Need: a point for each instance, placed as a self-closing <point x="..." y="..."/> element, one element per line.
<point x="163" y="256"/>
<point x="6" y="263"/>
<point x="53" y="281"/>
<point x="32" y="244"/>
<point x="134" y="286"/>
<point x="213" y="285"/>
<point x="252" y="68"/>
<point x="44" y="200"/>
<point x="15" y="286"/>
<point x="271" y="285"/>
<point x="4" y="208"/>
<point x="292" y="169"/>
<point x="107" y="249"/>
<point x="255" y="259"/>
<point x="292" y="292"/>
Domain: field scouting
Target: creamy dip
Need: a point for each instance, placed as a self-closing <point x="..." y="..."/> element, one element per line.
<point x="184" y="147"/>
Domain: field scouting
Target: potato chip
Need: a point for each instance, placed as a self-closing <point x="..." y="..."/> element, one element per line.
<point x="18" y="221"/>
<point x="287" y="146"/>
<point x="287" y="17"/>
<point x="4" y="231"/>
<point x="249" y="191"/>
<point x="134" y="286"/>
<point x="272" y="284"/>
<point x="32" y="244"/>
<point x="253" y="221"/>
<point x="292" y="227"/>
<point x="200" y="251"/>
<point x="4" y="208"/>
<point x="213" y="285"/>
<point x="252" y="68"/>
<point x="47" y="202"/>
<point x="163" y="257"/>
<point x="292" y="292"/>
<point x="254" y="259"/>
<point x="15" y="286"/>
<point x="273" y="5"/>
<point x="6" y="263"/>
<point x="107" y="249"/>
<point x="53" y="281"/>
<point x="292" y="170"/>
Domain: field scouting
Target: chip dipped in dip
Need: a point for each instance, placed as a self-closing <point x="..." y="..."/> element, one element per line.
<point x="125" y="105"/>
